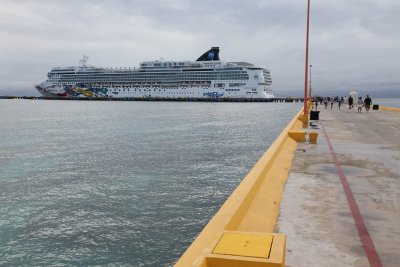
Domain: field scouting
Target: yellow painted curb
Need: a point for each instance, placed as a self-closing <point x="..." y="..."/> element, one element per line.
<point x="303" y="118"/>
<point x="299" y="136"/>
<point x="253" y="207"/>
<point x="389" y="108"/>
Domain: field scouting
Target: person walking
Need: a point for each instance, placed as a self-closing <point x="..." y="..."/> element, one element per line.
<point x="350" y="102"/>
<point x="332" y="99"/>
<point x="326" y="102"/>
<point x="360" y="103"/>
<point x="339" y="101"/>
<point x="367" y="103"/>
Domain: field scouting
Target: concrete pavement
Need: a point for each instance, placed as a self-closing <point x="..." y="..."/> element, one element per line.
<point x="318" y="213"/>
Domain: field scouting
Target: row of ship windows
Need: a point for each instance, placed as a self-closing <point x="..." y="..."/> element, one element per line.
<point x="153" y="73"/>
<point x="124" y="81"/>
<point x="163" y="90"/>
<point x="149" y="90"/>
<point x="157" y="87"/>
<point x="153" y="79"/>
<point x="189" y="93"/>
<point x="164" y="64"/>
<point x="160" y="77"/>
<point x="161" y="72"/>
<point x="231" y="82"/>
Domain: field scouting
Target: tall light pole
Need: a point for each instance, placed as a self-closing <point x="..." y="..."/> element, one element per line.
<point x="305" y="115"/>
<point x="310" y="83"/>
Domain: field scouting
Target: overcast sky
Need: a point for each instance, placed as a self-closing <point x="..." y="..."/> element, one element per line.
<point x="354" y="44"/>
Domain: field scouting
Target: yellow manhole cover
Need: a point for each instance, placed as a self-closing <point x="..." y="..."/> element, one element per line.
<point x="246" y="245"/>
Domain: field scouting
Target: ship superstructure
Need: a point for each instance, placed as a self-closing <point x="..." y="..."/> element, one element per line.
<point x="207" y="77"/>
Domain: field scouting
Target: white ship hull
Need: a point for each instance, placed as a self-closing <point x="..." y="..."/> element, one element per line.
<point x="57" y="90"/>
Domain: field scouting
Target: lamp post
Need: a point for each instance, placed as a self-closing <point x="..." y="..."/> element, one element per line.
<point x="305" y="115"/>
<point x="309" y="94"/>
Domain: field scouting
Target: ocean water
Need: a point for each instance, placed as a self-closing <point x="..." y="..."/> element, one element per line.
<point x="389" y="102"/>
<point x="87" y="183"/>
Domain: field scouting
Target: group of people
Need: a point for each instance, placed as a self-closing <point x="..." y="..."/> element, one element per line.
<point x="360" y="103"/>
<point x="330" y="100"/>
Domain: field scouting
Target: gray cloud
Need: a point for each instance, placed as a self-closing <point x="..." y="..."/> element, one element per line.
<point x="355" y="45"/>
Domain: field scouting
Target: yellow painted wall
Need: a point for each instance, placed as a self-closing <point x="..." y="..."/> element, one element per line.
<point x="389" y="108"/>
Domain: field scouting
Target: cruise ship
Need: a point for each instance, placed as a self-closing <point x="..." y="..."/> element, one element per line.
<point x="207" y="77"/>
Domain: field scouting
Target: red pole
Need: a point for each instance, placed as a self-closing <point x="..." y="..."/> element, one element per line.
<point x="306" y="68"/>
<point x="309" y="92"/>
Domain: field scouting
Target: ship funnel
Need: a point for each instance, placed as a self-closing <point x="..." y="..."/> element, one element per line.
<point x="212" y="54"/>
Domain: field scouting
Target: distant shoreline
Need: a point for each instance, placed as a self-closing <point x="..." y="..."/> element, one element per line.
<point x="277" y="99"/>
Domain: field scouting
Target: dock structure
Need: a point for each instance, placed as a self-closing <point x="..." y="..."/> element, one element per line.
<point x="326" y="193"/>
<point x="341" y="205"/>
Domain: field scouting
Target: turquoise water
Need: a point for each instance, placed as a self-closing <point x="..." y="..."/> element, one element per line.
<point x="389" y="102"/>
<point x="121" y="183"/>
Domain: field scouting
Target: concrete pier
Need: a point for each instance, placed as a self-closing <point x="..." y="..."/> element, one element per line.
<point x="341" y="205"/>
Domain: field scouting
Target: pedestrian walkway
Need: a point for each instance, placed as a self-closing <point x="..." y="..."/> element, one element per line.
<point x="341" y="205"/>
